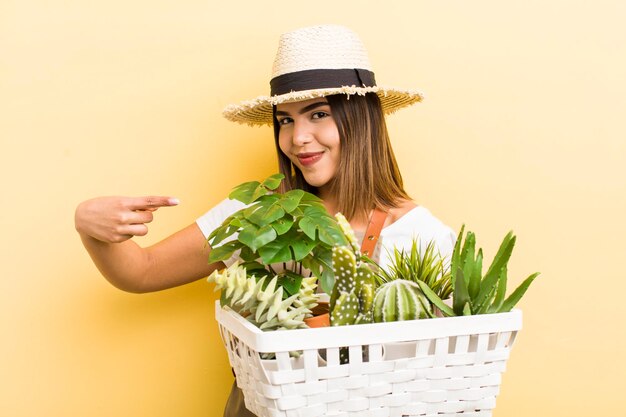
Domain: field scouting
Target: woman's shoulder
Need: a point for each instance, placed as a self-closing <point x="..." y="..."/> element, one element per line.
<point x="410" y="218"/>
<point x="412" y="221"/>
<point x="396" y="213"/>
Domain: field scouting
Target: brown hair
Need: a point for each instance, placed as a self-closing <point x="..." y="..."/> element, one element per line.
<point x="368" y="174"/>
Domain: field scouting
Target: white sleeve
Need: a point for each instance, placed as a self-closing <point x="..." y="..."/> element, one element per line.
<point x="214" y="218"/>
<point x="446" y="241"/>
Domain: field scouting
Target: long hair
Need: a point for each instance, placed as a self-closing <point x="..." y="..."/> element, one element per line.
<point x="368" y="174"/>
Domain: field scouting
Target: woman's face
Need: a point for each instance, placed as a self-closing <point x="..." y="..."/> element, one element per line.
<point x="309" y="137"/>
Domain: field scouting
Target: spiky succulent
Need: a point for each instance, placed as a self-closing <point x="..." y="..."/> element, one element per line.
<point x="416" y="265"/>
<point x="261" y="301"/>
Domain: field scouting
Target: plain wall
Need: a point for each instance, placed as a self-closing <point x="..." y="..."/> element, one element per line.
<point x="522" y="128"/>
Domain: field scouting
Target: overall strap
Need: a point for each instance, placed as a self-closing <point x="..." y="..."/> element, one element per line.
<point x="373" y="232"/>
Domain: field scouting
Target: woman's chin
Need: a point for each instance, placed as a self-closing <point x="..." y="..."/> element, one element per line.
<point x="315" y="181"/>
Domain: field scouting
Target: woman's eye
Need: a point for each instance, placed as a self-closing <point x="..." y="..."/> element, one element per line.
<point x="319" y="115"/>
<point x="285" y="121"/>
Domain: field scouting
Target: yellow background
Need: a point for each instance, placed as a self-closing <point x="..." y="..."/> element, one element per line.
<point x="523" y="128"/>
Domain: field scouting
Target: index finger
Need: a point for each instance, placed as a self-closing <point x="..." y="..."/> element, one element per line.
<point x="151" y="202"/>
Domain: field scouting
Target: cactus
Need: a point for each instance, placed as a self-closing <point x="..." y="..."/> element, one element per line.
<point x="264" y="308"/>
<point x="347" y="231"/>
<point x="353" y="293"/>
<point x="400" y="300"/>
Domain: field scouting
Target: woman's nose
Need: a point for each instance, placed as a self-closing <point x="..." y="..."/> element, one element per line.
<point x="301" y="134"/>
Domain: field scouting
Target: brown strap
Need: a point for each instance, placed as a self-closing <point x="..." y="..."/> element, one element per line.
<point x="373" y="232"/>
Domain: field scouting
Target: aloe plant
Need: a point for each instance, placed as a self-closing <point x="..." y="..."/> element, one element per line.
<point x="292" y="230"/>
<point x="473" y="292"/>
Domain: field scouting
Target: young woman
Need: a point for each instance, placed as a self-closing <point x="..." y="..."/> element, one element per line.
<point x="329" y="127"/>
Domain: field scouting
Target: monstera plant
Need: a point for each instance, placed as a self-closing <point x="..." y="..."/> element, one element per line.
<point x="285" y="235"/>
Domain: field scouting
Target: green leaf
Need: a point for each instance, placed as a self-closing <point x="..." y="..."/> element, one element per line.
<point x="224" y="251"/>
<point x="247" y="236"/>
<point x="275" y="252"/>
<point x="500" y="292"/>
<point x="318" y="220"/>
<point x="467" y="310"/>
<point x="237" y="219"/>
<point x="487" y="290"/>
<point x="222" y="233"/>
<point x="510" y="302"/>
<point x="290" y="281"/>
<point x="264" y="235"/>
<point x="264" y="214"/>
<point x="247" y="192"/>
<point x="461" y="295"/>
<point x="311" y="198"/>
<point x="489" y="282"/>
<point x="456" y="257"/>
<point x="247" y="254"/>
<point x="290" y="200"/>
<point x="434" y="298"/>
<point x="256" y="269"/>
<point x="308" y="225"/>
<point x="283" y="225"/>
<point x="476" y="276"/>
<point x="272" y="182"/>
<point x="320" y="264"/>
<point x="503" y="254"/>
<point x="467" y="257"/>
<point x="301" y="248"/>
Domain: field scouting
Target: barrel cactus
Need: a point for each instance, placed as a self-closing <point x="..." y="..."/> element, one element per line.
<point x="400" y="300"/>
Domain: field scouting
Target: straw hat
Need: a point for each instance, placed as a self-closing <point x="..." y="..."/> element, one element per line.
<point x="315" y="62"/>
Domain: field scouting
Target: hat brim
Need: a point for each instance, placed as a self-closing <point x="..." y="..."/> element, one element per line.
<point x="258" y="111"/>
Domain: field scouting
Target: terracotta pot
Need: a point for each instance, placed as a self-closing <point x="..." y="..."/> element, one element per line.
<point x="323" y="320"/>
<point x="321" y="317"/>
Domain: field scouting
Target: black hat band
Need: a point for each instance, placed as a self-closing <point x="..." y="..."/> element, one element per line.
<point x="321" y="78"/>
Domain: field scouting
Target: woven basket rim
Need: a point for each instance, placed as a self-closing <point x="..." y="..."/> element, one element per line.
<point x="364" y="334"/>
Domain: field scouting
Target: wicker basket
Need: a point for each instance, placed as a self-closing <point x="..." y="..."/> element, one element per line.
<point x="434" y="367"/>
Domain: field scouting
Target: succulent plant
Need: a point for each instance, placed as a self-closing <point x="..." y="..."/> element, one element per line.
<point x="399" y="300"/>
<point x="261" y="301"/>
<point x="473" y="292"/>
<point x="418" y="265"/>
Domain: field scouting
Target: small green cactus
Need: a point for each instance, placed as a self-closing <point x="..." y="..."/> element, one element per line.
<point x="353" y="293"/>
<point x="265" y="307"/>
<point x="400" y="300"/>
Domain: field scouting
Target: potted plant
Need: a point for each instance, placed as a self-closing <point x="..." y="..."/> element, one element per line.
<point x="284" y="242"/>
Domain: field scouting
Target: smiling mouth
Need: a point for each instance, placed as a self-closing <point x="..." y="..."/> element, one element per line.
<point x="309" y="158"/>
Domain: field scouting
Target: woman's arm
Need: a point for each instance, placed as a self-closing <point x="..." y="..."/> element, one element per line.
<point x="106" y="226"/>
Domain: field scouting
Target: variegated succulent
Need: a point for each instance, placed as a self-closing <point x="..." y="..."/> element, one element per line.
<point x="261" y="302"/>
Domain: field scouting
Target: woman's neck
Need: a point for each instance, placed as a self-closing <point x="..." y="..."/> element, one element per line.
<point x="332" y="206"/>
